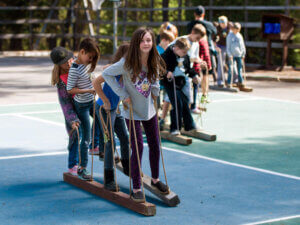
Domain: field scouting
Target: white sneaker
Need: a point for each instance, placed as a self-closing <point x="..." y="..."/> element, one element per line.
<point x="196" y="111"/>
<point x="175" y="132"/>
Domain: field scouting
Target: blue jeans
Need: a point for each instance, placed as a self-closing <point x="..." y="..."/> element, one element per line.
<point x="84" y="110"/>
<point x="73" y="150"/>
<point x="239" y="69"/>
<point x="97" y="130"/>
<point x="195" y="92"/>
<point x="184" y="111"/>
<point x="119" y="127"/>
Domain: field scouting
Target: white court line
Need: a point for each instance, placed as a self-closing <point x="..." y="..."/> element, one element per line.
<point x="187" y="153"/>
<point x="273" y="220"/>
<point x="40" y="120"/>
<point x="234" y="164"/>
<point x="33" y="103"/>
<point x="32" y="112"/>
<point x="32" y="155"/>
<point x="234" y="100"/>
<point x="258" y="98"/>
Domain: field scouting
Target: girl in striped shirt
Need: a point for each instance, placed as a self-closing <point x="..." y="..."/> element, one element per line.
<point x="80" y="84"/>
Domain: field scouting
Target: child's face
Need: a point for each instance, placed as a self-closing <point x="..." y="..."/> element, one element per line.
<point x="195" y="37"/>
<point x="180" y="52"/>
<point x="235" y="31"/>
<point x="86" y="57"/>
<point x="146" y="43"/>
<point x="223" y="25"/>
<point x="66" y="66"/>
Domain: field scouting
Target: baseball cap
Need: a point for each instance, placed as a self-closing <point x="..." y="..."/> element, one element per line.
<point x="60" y="55"/>
<point x="200" y="10"/>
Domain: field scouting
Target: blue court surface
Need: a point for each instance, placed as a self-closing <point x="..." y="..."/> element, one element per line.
<point x="250" y="175"/>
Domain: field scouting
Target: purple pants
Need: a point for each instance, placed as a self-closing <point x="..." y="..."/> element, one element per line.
<point x="151" y="130"/>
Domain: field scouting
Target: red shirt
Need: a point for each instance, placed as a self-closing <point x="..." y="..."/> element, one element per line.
<point x="203" y="54"/>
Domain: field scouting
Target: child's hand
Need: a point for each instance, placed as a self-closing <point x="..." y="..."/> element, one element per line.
<point x="170" y="75"/>
<point x="203" y="65"/>
<point x="196" y="80"/>
<point x="92" y="91"/>
<point x="75" y="125"/>
<point x="106" y="105"/>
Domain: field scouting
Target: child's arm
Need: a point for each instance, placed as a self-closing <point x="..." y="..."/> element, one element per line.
<point x="228" y="45"/>
<point x="97" y="83"/>
<point x="71" y="84"/>
<point x="109" y="75"/>
<point x="242" y="44"/>
<point x="76" y="90"/>
<point x="65" y="101"/>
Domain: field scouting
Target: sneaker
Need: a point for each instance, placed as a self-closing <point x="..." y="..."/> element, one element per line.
<point x="175" y="132"/>
<point x="160" y="186"/>
<point x="83" y="174"/>
<point x="161" y="124"/>
<point x="137" y="197"/>
<point x="196" y="111"/>
<point x="204" y="99"/>
<point x="109" y="181"/>
<point x="94" y="151"/>
<point x="73" y="170"/>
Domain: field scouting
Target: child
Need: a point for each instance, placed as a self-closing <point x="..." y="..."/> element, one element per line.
<point x="166" y="37"/>
<point x="178" y="65"/>
<point x="109" y="100"/>
<point x="140" y="70"/>
<point x="204" y="65"/>
<point x="62" y="60"/>
<point x="80" y="84"/>
<point x="236" y="51"/>
<point x="169" y="27"/>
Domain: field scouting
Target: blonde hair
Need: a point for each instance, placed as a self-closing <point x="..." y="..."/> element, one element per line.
<point x="182" y="43"/>
<point x="55" y="75"/>
<point x="199" y="29"/>
<point x="223" y="19"/>
<point x="167" y="26"/>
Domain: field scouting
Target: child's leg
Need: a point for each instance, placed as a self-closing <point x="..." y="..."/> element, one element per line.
<point x="239" y="68"/>
<point x="100" y="134"/>
<point x="151" y="130"/>
<point x="135" y="172"/>
<point x="97" y="127"/>
<point x="186" y="113"/>
<point x="121" y="131"/>
<point x="171" y="95"/>
<point x="82" y="110"/>
<point x="195" y="91"/>
<point x="230" y="63"/>
<point x="73" y="151"/>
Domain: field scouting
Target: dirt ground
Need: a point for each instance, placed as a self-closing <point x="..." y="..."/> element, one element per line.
<point x="27" y="80"/>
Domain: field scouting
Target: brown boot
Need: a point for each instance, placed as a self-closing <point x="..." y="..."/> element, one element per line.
<point x="244" y="88"/>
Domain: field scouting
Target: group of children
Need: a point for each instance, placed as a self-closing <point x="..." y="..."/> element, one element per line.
<point x="139" y="71"/>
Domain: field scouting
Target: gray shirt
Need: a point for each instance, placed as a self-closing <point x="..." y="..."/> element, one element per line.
<point x="235" y="45"/>
<point x="139" y="92"/>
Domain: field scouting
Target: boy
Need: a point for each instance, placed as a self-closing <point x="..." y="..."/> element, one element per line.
<point x="236" y="51"/>
<point x="166" y="37"/>
<point x="178" y="65"/>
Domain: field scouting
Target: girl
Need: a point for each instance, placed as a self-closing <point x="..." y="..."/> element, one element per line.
<point x="80" y="85"/>
<point x="62" y="60"/>
<point x="109" y="100"/>
<point x="140" y="70"/>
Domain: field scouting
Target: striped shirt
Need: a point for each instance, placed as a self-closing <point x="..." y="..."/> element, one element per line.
<point x="80" y="78"/>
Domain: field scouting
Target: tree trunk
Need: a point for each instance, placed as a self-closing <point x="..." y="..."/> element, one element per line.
<point x="151" y="12"/>
<point x="125" y="18"/>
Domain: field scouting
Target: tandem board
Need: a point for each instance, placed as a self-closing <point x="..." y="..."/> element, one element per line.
<point x="120" y="198"/>
<point x="199" y="134"/>
<point x="171" y="199"/>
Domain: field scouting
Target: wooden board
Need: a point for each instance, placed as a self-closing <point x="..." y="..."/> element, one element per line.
<point x="179" y="139"/>
<point x="200" y="134"/>
<point x="170" y="199"/>
<point x="216" y="88"/>
<point x="120" y="198"/>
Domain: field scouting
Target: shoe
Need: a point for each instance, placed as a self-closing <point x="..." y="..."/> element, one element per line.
<point x="117" y="159"/>
<point x="137" y="197"/>
<point x="196" y="111"/>
<point x="125" y="164"/>
<point x="109" y="181"/>
<point x="94" y="151"/>
<point x="228" y="85"/>
<point x="101" y="156"/>
<point x="204" y="99"/>
<point x="242" y="87"/>
<point x="175" y="132"/>
<point x="73" y="170"/>
<point x="160" y="186"/>
<point x="234" y="85"/>
<point x="83" y="174"/>
<point x="161" y="124"/>
<point x="220" y="85"/>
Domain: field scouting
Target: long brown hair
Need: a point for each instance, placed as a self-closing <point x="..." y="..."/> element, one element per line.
<point x="121" y="52"/>
<point x="55" y="74"/>
<point x="155" y="63"/>
<point x="89" y="45"/>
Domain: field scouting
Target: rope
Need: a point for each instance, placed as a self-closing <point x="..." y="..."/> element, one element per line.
<point x="93" y="138"/>
<point x="161" y="151"/>
<point x="78" y="139"/>
<point x="136" y="148"/>
<point x="244" y="71"/>
<point x="176" y="109"/>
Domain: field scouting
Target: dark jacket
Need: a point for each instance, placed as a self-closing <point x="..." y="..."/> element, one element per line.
<point x="170" y="59"/>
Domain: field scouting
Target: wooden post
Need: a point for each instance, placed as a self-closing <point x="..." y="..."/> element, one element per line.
<point x="284" y="54"/>
<point x="165" y="4"/>
<point x="151" y="12"/>
<point x="115" y="40"/>
<point x="269" y="53"/>
<point x="246" y="21"/>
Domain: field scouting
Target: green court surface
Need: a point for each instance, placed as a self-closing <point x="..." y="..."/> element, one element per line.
<point x="252" y="132"/>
